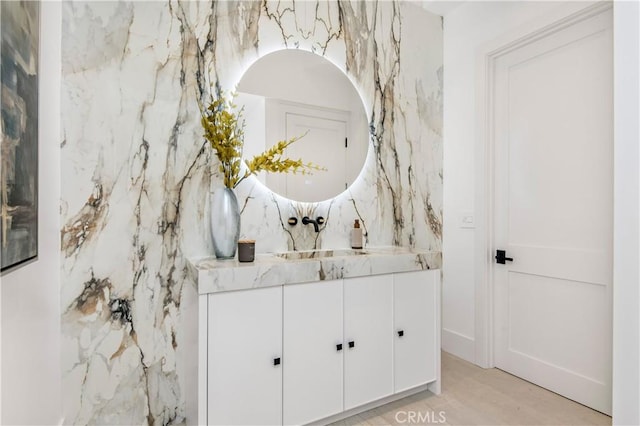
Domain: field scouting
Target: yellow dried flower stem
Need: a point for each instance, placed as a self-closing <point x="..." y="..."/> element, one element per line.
<point x="224" y="130"/>
<point x="271" y="161"/>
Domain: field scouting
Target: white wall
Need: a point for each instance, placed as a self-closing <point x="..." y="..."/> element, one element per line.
<point x="469" y="29"/>
<point x="31" y="376"/>
<point x="626" y="263"/>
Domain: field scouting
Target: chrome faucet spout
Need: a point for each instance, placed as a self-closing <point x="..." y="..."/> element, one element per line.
<point x="306" y="221"/>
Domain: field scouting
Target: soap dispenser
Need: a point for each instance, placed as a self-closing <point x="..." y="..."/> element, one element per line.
<point x="356" y="235"/>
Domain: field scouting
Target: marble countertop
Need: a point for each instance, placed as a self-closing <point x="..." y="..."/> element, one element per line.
<point x="277" y="269"/>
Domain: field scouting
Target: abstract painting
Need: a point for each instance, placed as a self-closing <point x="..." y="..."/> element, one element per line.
<point x="19" y="23"/>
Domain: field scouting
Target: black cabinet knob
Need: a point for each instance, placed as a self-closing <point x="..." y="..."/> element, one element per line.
<point x="276" y="361"/>
<point x="352" y="344"/>
<point x="339" y="347"/>
<point x="400" y="333"/>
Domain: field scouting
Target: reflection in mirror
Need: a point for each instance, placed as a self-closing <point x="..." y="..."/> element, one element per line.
<point x="292" y="92"/>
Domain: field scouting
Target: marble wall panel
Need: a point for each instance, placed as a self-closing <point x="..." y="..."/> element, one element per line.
<point x="137" y="173"/>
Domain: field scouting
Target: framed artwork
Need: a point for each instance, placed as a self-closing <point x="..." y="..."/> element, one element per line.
<point x="19" y="53"/>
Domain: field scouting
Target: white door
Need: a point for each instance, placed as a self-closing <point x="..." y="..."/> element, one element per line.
<point x="368" y="331"/>
<point x="324" y="145"/>
<point x="244" y="357"/>
<point x="415" y="314"/>
<point x="312" y="381"/>
<point x="553" y="206"/>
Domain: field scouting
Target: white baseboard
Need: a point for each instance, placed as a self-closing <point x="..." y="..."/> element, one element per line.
<point x="459" y="345"/>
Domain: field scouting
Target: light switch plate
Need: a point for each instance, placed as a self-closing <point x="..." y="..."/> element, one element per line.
<point x="467" y="220"/>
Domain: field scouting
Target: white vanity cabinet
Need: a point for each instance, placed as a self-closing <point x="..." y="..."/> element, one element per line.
<point x="244" y="357"/>
<point x="313" y="348"/>
<point x="368" y="332"/>
<point x="338" y="346"/>
<point x="318" y="351"/>
<point x="416" y="324"/>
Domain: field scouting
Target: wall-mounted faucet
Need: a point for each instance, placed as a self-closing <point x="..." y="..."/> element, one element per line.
<point x="315" y="222"/>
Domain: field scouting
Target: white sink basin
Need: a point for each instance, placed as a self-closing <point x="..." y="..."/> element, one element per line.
<point x="320" y="254"/>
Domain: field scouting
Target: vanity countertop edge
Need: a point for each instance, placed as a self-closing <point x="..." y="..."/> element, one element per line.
<point x="270" y="270"/>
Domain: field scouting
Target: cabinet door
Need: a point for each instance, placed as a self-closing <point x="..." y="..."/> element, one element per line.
<point x="312" y="374"/>
<point x="244" y="355"/>
<point x="368" y="327"/>
<point x="415" y="314"/>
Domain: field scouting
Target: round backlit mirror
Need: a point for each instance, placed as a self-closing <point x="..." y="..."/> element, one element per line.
<point x="290" y="93"/>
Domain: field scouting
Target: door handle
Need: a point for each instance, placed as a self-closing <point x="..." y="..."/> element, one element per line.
<point x="501" y="257"/>
<point x="400" y="333"/>
<point x="276" y="362"/>
<point x="352" y="344"/>
<point x="339" y="347"/>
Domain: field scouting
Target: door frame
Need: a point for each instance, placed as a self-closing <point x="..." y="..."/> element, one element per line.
<point x="484" y="245"/>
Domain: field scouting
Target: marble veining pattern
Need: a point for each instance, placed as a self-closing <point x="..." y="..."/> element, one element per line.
<point x="137" y="174"/>
<point x="270" y="270"/>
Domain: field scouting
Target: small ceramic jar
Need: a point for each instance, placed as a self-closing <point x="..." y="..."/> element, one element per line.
<point x="246" y="250"/>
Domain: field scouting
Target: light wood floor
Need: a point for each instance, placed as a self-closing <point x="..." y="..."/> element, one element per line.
<point x="475" y="396"/>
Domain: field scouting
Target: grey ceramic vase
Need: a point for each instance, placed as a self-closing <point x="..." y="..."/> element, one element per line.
<point x="225" y="223"/>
